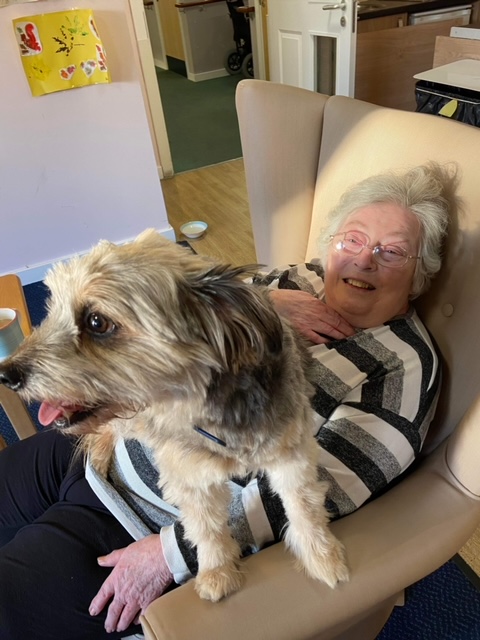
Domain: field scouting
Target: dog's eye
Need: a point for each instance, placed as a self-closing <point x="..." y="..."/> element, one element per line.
<point x="99" y="324"/>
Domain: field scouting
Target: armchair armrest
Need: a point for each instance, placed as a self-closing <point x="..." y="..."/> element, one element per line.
<point x="391" y="543"/>
<point x="462" y="451"/>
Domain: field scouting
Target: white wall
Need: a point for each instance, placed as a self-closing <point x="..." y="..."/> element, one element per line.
<point x="75" y="166"/>
<point x="207" y="34"/>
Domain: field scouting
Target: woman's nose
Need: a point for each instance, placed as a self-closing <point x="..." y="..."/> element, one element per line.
<point x="365" y="260"/>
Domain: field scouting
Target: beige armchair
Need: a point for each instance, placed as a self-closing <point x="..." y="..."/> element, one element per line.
<point x="301" y="151"/>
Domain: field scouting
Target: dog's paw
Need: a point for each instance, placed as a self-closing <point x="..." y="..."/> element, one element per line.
<point x="329" y="566"/>
<point x="215" y="584"/>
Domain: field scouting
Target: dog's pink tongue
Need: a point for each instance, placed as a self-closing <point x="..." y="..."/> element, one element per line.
<point x="48" y="413"/>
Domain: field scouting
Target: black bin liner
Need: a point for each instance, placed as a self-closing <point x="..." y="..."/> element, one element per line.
<point x="431" y="97"/>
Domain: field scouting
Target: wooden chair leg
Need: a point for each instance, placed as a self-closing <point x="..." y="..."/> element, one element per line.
<point x="17" y="413"/>
<point x="12" y="295"/>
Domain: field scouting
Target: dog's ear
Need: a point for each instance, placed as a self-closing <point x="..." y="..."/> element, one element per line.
<point x="152" y="239"/>
<point x="235" y="317"/>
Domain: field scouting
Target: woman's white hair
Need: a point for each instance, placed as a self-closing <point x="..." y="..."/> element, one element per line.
<point x="427" y="191"/>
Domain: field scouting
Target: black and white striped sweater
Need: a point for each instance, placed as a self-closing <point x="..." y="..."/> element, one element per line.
<point x="376" y="393"/>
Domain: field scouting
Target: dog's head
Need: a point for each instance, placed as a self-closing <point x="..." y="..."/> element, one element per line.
<point x="129" y="325"/>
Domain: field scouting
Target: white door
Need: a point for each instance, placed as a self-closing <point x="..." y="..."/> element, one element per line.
<point x="312" y="44"/>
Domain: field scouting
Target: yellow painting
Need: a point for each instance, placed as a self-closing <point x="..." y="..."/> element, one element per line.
<point x="61" y="50"/>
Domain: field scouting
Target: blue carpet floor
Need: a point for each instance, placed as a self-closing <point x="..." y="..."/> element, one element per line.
<point x="442" y="606"/>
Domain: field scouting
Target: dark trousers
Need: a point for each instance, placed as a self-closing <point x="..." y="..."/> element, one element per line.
<point x="52" y="529"/>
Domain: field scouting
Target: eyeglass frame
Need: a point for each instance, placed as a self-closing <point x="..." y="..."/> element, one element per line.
<point x="375" y="250"/>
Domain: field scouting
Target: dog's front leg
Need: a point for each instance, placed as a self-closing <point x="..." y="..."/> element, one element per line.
<point x="308" y="536"/>
<point x="204" y="515"/>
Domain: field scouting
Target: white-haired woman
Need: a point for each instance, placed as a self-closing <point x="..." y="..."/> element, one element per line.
<point x="388" y="231"/>
<point x="378" y="379"/>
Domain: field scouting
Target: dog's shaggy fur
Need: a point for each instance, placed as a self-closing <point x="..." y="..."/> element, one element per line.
<point x="149" y="341"/>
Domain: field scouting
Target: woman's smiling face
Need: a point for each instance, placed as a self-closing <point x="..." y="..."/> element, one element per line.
<point x="363" y="292"/>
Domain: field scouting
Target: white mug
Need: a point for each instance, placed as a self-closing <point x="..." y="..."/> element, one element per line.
<point x="11" y="334"/>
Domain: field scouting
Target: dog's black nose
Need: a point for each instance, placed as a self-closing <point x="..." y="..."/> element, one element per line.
<point x="12" y="377"/>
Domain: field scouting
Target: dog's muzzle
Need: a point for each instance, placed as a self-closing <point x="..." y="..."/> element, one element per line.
<point x="12" y="377"/>
<point x="69" y="421"/>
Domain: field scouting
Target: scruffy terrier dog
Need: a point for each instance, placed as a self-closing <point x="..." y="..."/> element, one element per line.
<point x="149" y="341"/>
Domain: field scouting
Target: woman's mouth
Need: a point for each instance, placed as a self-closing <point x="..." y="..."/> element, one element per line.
<point x="359" y="284"/>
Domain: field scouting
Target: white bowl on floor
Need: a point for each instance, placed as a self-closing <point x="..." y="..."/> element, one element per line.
<point x="194" y="229"/>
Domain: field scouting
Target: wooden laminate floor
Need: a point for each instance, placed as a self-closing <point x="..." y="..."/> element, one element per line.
<point x="470" y="552"/>
<point x="218" y="195"/>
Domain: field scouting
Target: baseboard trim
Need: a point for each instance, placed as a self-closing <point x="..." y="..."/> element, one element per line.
<point x="28" y="275"/>
<point x="207" y="75"/>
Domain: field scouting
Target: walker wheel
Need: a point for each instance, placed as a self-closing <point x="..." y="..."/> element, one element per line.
<point x="233" y="63"/>
<point x="247" y="66"/>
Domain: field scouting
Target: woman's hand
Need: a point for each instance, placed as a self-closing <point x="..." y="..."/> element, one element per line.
<point x="139" y="576"/>
<point x="311" y="317"/>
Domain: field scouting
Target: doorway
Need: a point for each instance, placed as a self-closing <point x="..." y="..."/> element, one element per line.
<point x="200" y="117"/>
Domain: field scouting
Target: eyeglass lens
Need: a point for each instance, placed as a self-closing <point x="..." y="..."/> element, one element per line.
<point x="354" y="242"/>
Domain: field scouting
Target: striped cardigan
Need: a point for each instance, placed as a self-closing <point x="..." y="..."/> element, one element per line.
<point x="375" y="396"/>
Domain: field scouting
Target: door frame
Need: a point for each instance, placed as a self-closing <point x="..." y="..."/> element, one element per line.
<point x="151" y="91"/>
<point x="152" y="96"/>
<point x="259" y="39"/>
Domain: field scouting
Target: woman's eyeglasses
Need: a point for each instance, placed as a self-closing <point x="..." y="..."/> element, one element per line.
<point x="352" y="243"/>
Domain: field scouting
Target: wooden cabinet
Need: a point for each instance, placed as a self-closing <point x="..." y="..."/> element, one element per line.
<point x="452" y="49"/>
<point x="384" y="22"/>
<point x="388" y="58"/>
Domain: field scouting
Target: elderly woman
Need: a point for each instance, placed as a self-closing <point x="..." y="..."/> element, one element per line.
<point x="376" y="391"/>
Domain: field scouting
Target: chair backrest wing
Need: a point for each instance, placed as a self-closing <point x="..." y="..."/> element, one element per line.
<point x="302" y="150"/>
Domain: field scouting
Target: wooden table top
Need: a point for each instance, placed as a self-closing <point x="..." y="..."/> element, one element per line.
<point x="12" y="296"/>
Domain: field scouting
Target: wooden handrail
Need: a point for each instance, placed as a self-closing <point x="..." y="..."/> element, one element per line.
<point x="245" y="9"/>
<point x="198" y="3"/>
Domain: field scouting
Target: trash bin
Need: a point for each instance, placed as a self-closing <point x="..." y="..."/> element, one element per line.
<point x="451" y="102"/>
<point x="451" y="91"/>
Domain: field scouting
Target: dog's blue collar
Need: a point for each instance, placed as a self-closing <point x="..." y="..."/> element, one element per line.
<point x="202" y="432"/>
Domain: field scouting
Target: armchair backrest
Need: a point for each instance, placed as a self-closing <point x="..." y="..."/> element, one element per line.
<point x="302" y="150"/>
